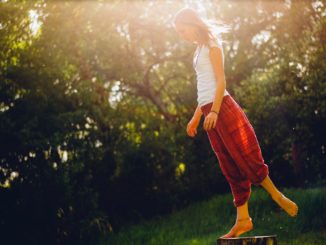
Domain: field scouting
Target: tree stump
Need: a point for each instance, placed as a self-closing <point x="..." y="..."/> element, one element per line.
<point x="252" y="240"/>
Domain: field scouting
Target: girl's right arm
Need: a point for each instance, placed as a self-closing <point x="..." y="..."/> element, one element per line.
<point x="193" y="123"/>
<point x="197" y="114"/>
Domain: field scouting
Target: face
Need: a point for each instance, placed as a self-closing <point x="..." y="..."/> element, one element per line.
<point x="186" y="32"/>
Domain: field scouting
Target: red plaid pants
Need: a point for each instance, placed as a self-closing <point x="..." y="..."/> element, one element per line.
<point x="237" y="149"/>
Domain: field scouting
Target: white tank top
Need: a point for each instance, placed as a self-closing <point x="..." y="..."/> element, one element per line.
<point x="206" y="81"/>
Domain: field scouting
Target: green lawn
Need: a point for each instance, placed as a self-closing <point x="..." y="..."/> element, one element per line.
<point x="203" y="222"/>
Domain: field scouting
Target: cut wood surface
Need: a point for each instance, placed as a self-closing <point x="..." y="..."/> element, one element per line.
<point x="253" y="240"/>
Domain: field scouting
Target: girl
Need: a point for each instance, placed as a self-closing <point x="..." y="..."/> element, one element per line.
<point x="229" y="131"/>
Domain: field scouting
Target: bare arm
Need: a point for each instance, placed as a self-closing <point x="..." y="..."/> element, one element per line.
<point x="197" y="114"/>
<point x="216" y="58"/>
<point x="193" y="123"/>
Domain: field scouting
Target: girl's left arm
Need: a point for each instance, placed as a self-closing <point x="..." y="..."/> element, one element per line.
<point x="216" y="58"/>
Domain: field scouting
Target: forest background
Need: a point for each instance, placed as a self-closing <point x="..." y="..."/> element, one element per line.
<point x="95" y="97"/>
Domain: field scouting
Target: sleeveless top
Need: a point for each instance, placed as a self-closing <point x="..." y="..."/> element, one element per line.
<point x="206" y="81"/>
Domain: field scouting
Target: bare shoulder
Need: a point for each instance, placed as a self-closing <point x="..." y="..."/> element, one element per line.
<point x="214" y="43"/>
<point x="216" y="56"/>
<point x="216" y="52"/>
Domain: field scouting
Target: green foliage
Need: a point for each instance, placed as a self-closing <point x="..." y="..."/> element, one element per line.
<point x="287" y="96"/>
<point x="95" y="98"/>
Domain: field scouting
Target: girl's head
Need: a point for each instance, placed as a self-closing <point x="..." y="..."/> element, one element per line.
<point x="192" y="28"/>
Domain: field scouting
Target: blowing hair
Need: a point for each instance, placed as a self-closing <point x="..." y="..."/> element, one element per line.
<point x="207" y="29"/>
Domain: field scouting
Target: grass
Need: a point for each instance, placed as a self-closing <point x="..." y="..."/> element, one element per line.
<point x="202" y="222"/>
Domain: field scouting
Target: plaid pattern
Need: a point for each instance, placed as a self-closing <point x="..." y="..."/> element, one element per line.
<point x="236" y="146"/>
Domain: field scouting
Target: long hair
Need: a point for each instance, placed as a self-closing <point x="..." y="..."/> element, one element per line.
<point x="207" y="29"/>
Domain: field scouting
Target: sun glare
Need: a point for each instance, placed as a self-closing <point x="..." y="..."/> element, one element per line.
<point x="35" y="24"/>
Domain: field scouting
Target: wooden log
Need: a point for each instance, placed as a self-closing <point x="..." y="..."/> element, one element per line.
<point x="252" y="240"/>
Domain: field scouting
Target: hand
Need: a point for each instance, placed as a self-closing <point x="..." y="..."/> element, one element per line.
<point x="210" y="121"/>
<point x="192" y="127"/>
